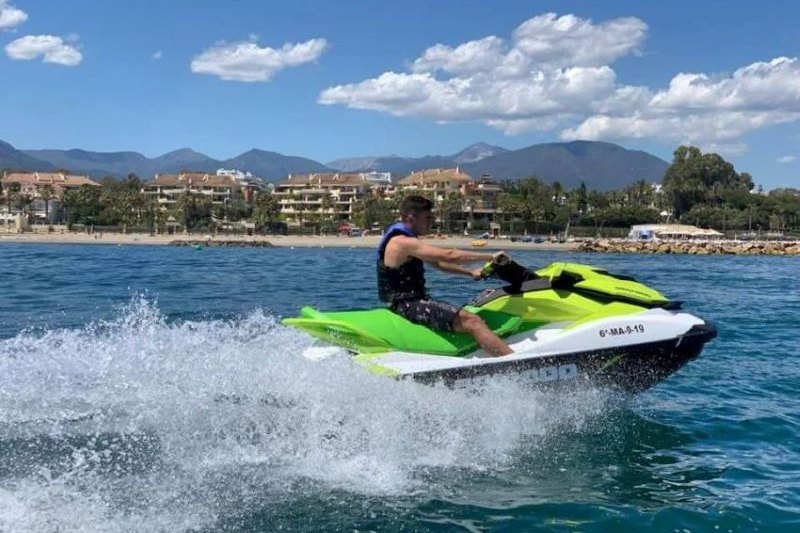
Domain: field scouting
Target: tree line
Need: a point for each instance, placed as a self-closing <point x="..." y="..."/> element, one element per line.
<point x="697" y="188"/>
<point x="700" y="189"/>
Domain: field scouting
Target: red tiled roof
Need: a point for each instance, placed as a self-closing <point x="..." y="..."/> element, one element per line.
<point x="326" y="179"/>
<point x="436" y="175"/>
<point x="194" y="179"/>
<point x="56" y="179"/>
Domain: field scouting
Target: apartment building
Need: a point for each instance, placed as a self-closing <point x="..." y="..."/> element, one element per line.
<point x="310" y="197"/>
<point x="331" y="195"/>
<point x="249" y="183"/>
<point x="438" y="181"/>
<point x="480" y="198"/>
<point x="167" y="188"/>
<point x="42" y="190"/>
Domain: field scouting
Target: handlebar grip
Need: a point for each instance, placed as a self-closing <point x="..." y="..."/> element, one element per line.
<point x="487" y="270"/>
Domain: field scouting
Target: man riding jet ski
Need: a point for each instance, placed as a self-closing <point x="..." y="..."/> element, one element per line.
<point x="563" y="323"/>
<point x="401" y="276"/>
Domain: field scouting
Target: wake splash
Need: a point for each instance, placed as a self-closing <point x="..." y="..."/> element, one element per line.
<point x="138" y="424"/>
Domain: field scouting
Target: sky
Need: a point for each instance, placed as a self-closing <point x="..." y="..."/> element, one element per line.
<point x="333" y="79"/>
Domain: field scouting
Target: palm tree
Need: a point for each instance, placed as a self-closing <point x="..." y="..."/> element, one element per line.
<point x="47" y="192"/>
<point x="450" y="205"/>
<point x="12" y="190"/>
<point x="24" y="202"/>
<point x="509" y="208"/>
<point x="266" y="209"/>
<point x="328" y="204"/>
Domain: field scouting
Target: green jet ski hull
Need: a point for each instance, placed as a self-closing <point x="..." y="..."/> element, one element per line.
<point x="380" y="330"/>
<point x="569" y="319"/>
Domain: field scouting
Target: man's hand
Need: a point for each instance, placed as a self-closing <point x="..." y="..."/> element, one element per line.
<point x="477" y="274"/>
<point x="500" y="258"/>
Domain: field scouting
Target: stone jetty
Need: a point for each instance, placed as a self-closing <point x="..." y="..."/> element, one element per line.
<point x="222" y="243"/>
<point x="692" y="247"/>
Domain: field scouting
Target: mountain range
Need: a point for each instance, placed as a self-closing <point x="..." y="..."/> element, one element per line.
<point x="402" y="166"/>
<point x="271" y="166"/>
<point x="602" y="166"/>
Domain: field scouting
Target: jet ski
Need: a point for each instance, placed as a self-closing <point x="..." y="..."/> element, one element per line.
<point x="567" y="323"/>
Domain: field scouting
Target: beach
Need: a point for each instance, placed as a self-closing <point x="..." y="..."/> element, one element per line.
<point x="721" y="247"/>
<point x="283" y="241"/>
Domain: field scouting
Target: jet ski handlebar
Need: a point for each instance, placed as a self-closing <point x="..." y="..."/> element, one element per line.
<point x="499" y="259"/>
<point x="504" y="268"/>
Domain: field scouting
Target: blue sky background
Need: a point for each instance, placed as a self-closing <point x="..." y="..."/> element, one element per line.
<point x="119" y="97"/>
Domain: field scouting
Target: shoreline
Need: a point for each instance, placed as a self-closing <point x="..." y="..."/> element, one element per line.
<point x="614" y="246"/>
<point x="278" y="241"/>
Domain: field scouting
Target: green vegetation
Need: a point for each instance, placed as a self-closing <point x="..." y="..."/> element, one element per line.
<point x="697" y="188"/>
<point x="266" y="210"/>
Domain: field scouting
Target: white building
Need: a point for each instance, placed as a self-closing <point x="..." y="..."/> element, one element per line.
<point x="655" y="232"/>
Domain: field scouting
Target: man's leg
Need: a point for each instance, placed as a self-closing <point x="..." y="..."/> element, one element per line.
<point x="474" y="325"/>
<point x="445" y="317"/>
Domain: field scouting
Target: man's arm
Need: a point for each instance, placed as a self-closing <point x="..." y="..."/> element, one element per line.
<point x="433" y="254"/>
<point x="453" y="268"/>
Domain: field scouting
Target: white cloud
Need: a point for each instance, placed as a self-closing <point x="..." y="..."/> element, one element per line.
<point x="759" y="86"/>
<point x="698" y="109"/>
<point x="51" y="48"/>
<point x="10" y="15"/>
<point x="555" y="73"/>
<point x="470" y="57"/>
<point x="552" y="69"/>
<point x="158" y="54"/>
<point x="572" y="41"/>
<point x="786" y="159"/>
<point x="246" y="61"/>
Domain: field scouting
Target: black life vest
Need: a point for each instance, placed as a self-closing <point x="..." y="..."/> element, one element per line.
<point x="406" y="282"/>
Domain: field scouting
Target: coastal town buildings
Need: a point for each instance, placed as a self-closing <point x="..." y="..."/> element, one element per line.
<point x="310" y="197"/>
<point x="249" y="183"/>
<point x="476" y="199"/>
<point x="440" y="182"/>
<point x="481" y="198"/>
<point x="219" y="188"/>
<point x="36" y="196"/>
<point x="304" y="197"/>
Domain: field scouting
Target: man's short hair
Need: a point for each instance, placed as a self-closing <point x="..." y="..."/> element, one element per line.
<point x="414" y="205"/>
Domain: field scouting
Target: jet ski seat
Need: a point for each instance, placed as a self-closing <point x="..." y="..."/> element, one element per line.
<point x="381" y="330"/>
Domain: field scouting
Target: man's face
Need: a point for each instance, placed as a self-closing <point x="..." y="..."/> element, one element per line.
<point x="421" y="222"/>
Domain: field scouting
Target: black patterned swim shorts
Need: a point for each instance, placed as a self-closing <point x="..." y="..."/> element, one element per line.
<point x="436" y="315"/>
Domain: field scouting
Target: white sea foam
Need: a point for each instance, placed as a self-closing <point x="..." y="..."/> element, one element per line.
<point x="141" y="424"/>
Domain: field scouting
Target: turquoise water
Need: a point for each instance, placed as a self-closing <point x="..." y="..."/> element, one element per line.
<point x="152" y="389"/>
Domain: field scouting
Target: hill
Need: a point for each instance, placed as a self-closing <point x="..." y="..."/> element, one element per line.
<point x="271" y="166"/>
<point x="402" y="166"/>
<point x="602" y="166"/>
<point x="13" y="159"/>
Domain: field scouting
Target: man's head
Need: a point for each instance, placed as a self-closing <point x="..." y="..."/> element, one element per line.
<point x="417" y="212"/>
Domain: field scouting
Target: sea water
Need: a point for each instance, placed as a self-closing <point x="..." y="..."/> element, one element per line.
<point x="154" y="389"/>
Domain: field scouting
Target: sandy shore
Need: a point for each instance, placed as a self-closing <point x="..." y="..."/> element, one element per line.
<point x="285" y="241"/>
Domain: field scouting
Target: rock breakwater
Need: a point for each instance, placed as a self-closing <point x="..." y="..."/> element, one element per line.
<point x="221" y="243"/>
<point x="693" y="247"/>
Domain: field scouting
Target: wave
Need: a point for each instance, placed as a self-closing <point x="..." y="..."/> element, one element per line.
<point x="139" y="423"/>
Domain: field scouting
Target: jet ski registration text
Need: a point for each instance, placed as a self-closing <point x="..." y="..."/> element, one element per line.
<point x="627" y="330"/>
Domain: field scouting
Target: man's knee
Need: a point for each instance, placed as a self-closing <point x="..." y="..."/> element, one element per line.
<point x="469" y="322"/>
